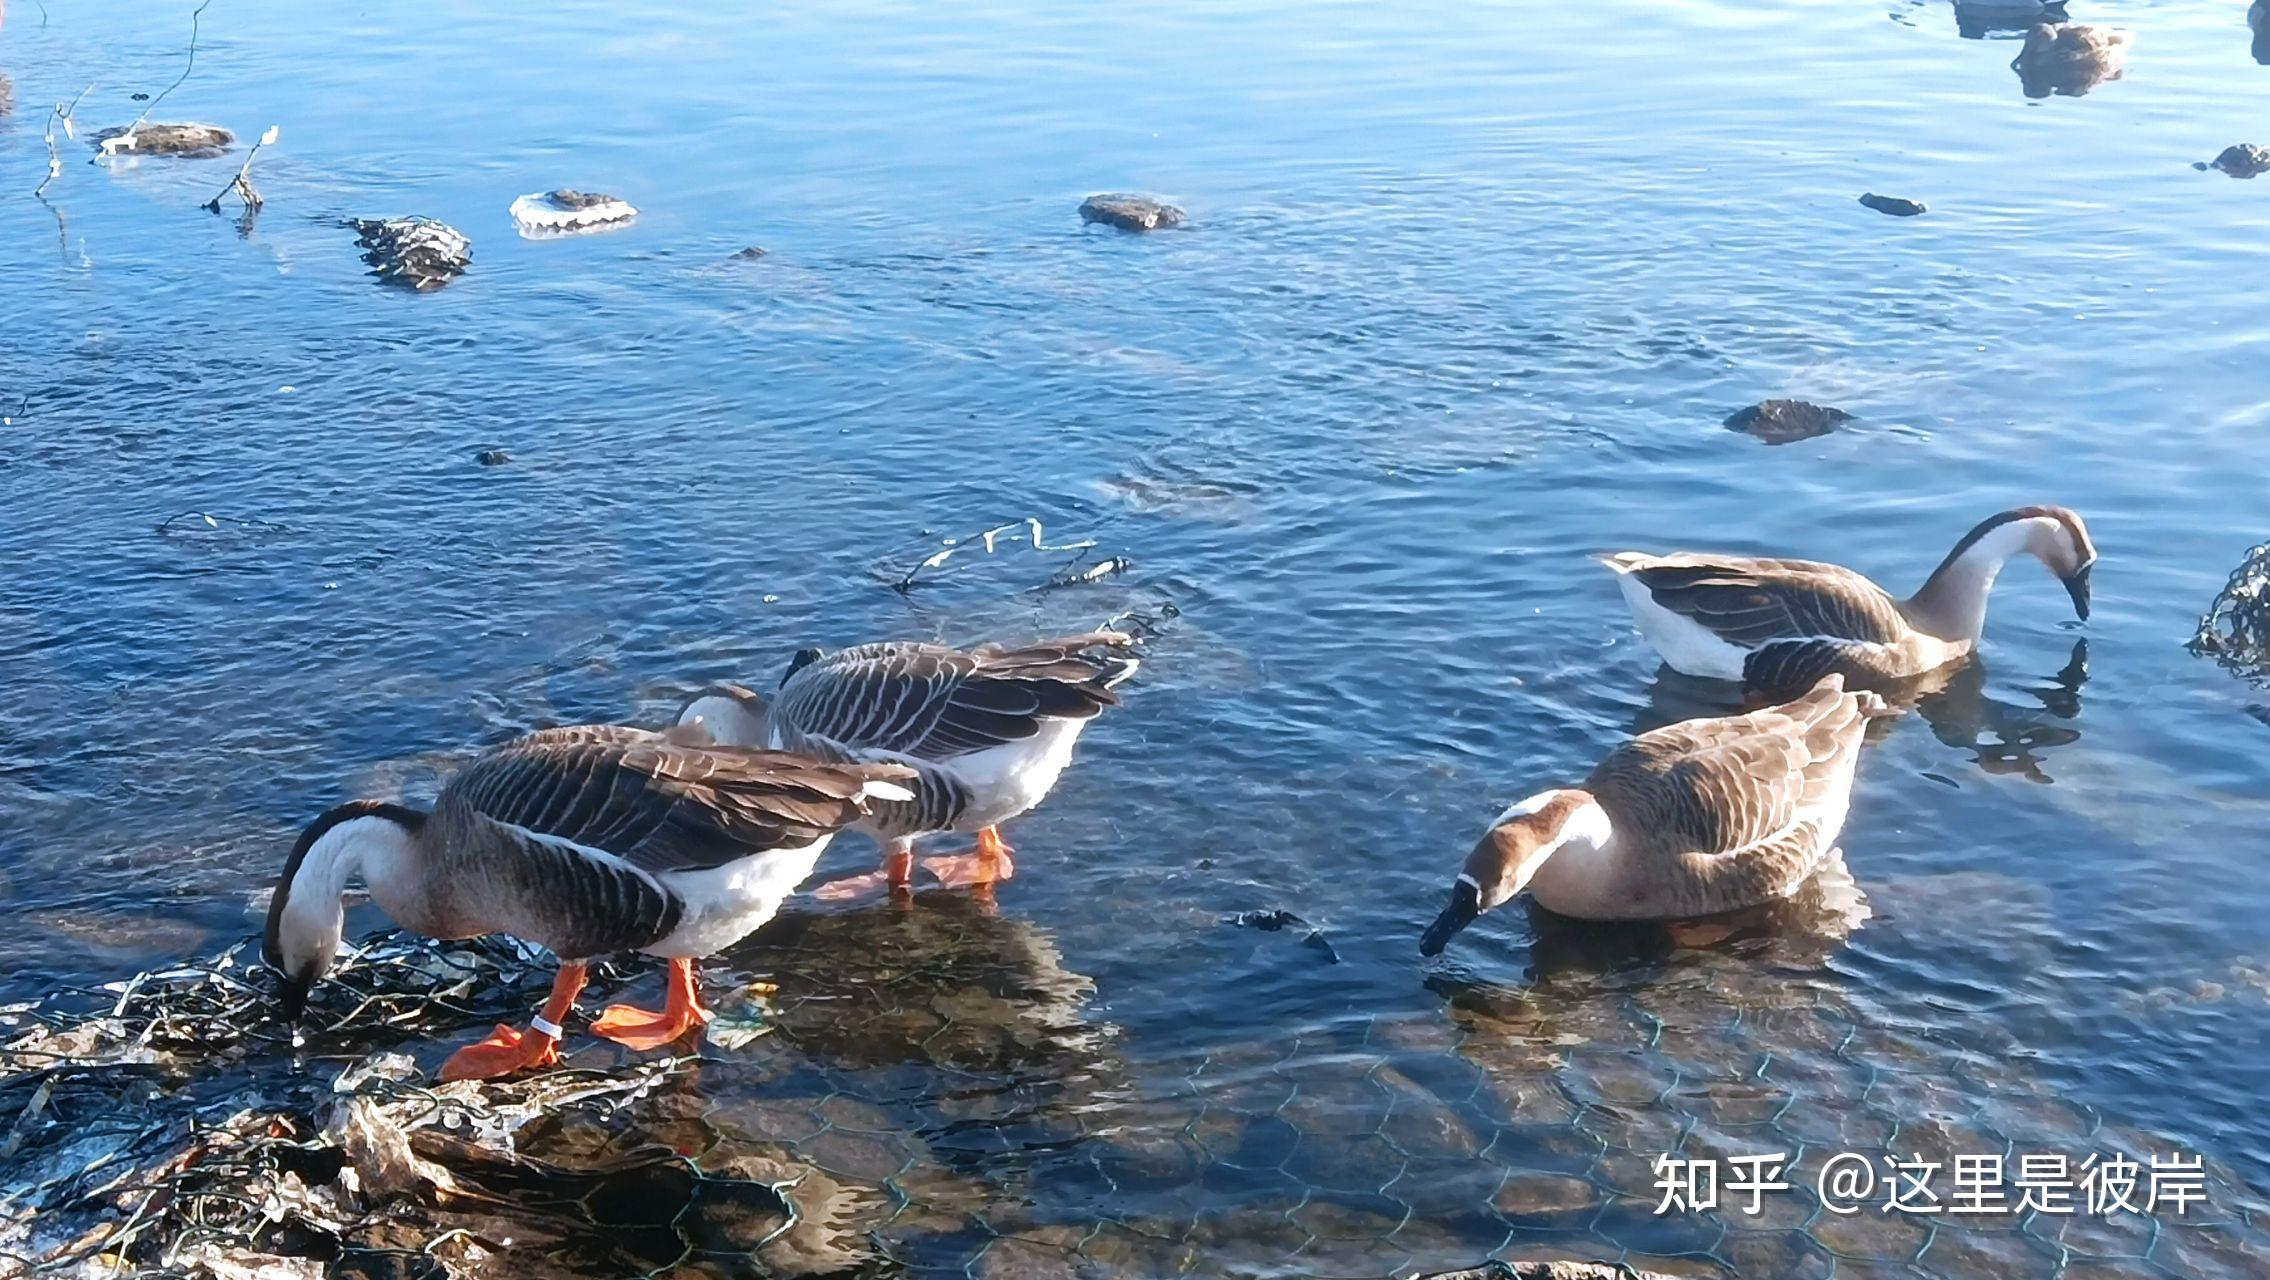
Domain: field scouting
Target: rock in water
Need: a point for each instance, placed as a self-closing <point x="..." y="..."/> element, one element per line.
<point x="2242" y="160"/>
<point x="1130" y="213"/>
<point x="492" y="457"/>
<point x="1893" y="205"/>
<point x="418" y="252"/>
<point x="165" y="140"/>
<point x="750" y="254"/>
<point x="1786" y="421"/>
<point x="569" y="210"/>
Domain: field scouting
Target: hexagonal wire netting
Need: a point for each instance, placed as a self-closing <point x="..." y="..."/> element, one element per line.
<point x="935" y="1099"/>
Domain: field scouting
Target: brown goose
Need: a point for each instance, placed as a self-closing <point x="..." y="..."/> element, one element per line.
<point x="1779" y="625"/>
<point x="986" y="730"/>
<point x="587" y="839"/>
<point x="1688" y="820"/>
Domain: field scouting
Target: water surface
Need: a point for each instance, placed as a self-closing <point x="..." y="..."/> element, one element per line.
<point x="1464" y="298"/>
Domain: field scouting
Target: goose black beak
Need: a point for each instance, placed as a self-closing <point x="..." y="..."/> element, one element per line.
<point x="291" y="998"/>
<point x="1465" y="904"/>
<point x="2077" y="586"/>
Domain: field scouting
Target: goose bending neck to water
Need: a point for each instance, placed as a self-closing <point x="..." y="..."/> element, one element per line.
<point x="1689" y="820"/>
<point x="1779" y="625"/>
<point x="587" y="840"/>
<point x="987" y="731"/>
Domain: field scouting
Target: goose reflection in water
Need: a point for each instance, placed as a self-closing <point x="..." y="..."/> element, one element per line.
<point x="2006" y="737"/>
<point x="954" y="985"/>
<point x="2069" y="59"/>
<point x="1990" y="19"/>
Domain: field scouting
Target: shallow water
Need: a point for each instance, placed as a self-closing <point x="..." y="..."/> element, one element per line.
<point x="1465" y="296"/>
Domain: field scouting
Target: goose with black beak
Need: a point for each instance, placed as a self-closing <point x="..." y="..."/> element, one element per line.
<point x="586" y="840"/>
<point x="1693" y="819"/>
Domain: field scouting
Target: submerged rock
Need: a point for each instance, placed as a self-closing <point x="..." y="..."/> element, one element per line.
<point x="2070" y="59"/>
<point x="2241" y="160"/>
<point x="1786" y="421"/>
<point x="418" y="252"/>
<point x="1279" y="920"/>
<point x="165" y="140"/>
<point x="567" y="209"/>
<point x="1896" y="206"/>
<point x="1130" y="213"/>
<point x="750" y="254"/>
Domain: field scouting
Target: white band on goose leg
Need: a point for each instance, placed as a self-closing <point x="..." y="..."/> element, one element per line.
<point x="546" y="1027"/>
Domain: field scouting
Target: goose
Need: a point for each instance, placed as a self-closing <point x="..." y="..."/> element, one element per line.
<point x="1778" y="625"/>
<point x="986" y="730"/>
<point x="585" y="839"/>
<point x="1693" y="819"/>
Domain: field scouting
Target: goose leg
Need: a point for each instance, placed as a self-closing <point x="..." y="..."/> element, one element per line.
<point x="506" y="1050"/>
<point x="977" y="870"/>
<point x="639" y="1029"/>
<point x="896" y="873"/>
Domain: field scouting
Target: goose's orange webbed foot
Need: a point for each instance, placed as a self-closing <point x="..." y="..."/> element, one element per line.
<point x="507" y="1049"/>
<point x="644" y="1029"/>
<point x="850" y="887"/>
<point x="504" y="1052"/>
<point x="980" y="870"/>
<point x="896" y="874"/>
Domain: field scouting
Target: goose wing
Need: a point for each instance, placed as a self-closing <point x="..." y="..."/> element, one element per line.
<point x="658" y="802"/>
<point x="931" y="702"/>
<point x="1750" y="602"/>
<point x="1780" y="668"/>
<point x="1734" y="784"/>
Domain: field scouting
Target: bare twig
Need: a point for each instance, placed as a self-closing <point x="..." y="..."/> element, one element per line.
<point x="1077" y="572"/>
<point x="61" y="115"/>
<point x="242" y="184"/>
<point x="988" y="539"/>
<point x="1141" y="623"/>
<point x="204" y="526"/>
<point x="126" y="139"/>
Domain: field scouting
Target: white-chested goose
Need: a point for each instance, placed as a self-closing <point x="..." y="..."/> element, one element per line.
<point x="987" y="730"/>
<point x="587" y="840"/>
<point x="1692" y="819"/>
<point x="1779" y="625"/>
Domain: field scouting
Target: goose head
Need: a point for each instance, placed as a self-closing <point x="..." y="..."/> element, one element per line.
<point x="733" y="715"/>
<point x="1509" y="855"/>
<point x="2057" y="537"/>
<point x="307" y="912"/>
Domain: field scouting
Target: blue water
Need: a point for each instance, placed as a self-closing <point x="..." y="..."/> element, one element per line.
<point x="1464" y="296"/>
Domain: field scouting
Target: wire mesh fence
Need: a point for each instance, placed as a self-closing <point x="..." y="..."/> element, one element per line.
<point x="928" y="1090"/>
